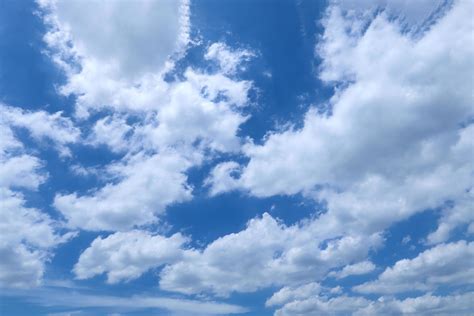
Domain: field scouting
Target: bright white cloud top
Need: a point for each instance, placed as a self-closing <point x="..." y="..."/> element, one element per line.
<point x="159" y="103"/>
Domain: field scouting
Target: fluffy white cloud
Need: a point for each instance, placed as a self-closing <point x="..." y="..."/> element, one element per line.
<point x="22" y="171"/>
<point x="125" y="256"/>
<point x="341" y="305"/>
<point x="159" y="149"/>
<point x="200" y="117"/>
<point x="398" y="137"/>
<point x="162" y="127"/>
<point x="452" y="217"/>
<point x="111" y="131"/>
<point x="222" y="178"/>
<point x="27" y="238"/>
<point x="445" y="264"/>
<point x="288" y="294"/>
<point x="264" y="249"/>
<point x="27" y="235"/>
<point x="359" y="268"/>
<point x="425" y="305"/>
<point x="41" y="125"/>
<point x="122" y="56"/>
<point x="397" y="140"/>
<point x="139" y="37"/>
<point x="228" y="60"/>
<point x="144" y="186"/>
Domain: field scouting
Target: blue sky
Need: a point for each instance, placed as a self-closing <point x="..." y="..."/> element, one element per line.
<point x="236" y="157"/>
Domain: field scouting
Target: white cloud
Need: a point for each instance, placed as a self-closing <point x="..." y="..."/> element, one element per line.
<point x="123" y="57"/>
<point x="28" y="235"/>
<point x="111" y="131"/>
<point x="64" y="298"/>
<point x="288" y="294"/>
<point x="452" y="217"/>
<point x="445" y="264"/>
<point x="266" y="248"/>
<point x="359" y="268"/>
<point x="22" y="171"/>
<point x="27" y="238"/>
<point x="221" y="180"/>
<point x="42" y="125"/>
<point x="229" y="61"/>
<point x="425" y="305"/>
<point x="125" y="256"/>
<point x="396" y="141"/>
<point x="198" y="117"/>
<point x="139" y="41"/>
<point x="145" y="186"/>
<point x="341" y="305"/>
<point x="161" y="127"/>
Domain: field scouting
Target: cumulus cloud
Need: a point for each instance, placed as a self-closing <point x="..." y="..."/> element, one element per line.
<point x="264" y="249"/>
<point x="158" y="150"/>
<point x="28" y="235"/>
<point x="359" y="268"/>
<point x="41" y="125"/>
<point x="161" y="126"/>
<point x="397" y="138"/>
<point x="445" y="264"/>
<point x="227" y="59"/>
<point x="125" y="256"/>
<point x="425" y="305"/>
<point x="221" y="180"/>
<point x="133" y="45"/>
<point x="340" y="305"/>
<point x="459" y="214"/>
<point x="288" y="294"/>
<point x="145" y="186"/>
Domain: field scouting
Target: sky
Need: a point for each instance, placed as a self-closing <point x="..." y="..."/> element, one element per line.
<point x="284" y="157"/>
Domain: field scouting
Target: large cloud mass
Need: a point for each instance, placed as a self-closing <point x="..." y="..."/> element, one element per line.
<point x="398" y="138"/>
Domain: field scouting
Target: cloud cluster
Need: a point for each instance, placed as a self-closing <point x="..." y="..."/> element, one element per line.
<point x="159" y="121"/>
<point x="112" y="65"/>
<point x="396" y="141"/>
<point x="264" y="249"/>
<point x="443" y="265"/>
<point x="398" y="137"/>
<point x="28" y="234"/>
<point x="425" y="305"/>
<point x="359" y="268"/>
<point x="126" y="256"/>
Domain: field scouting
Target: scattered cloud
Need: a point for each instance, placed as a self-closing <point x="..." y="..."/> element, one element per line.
<point x="443" y="265"/>
<point x="125" y="256"/>
<point x="162" y="127"/>
<point x="228" y="60"/>
<point x="359" y="268"/>
<point x="264" y="249"/>
<point x="425" y="305"/>
<point x="397" y="139"/>
<point x="28" y="234"/>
